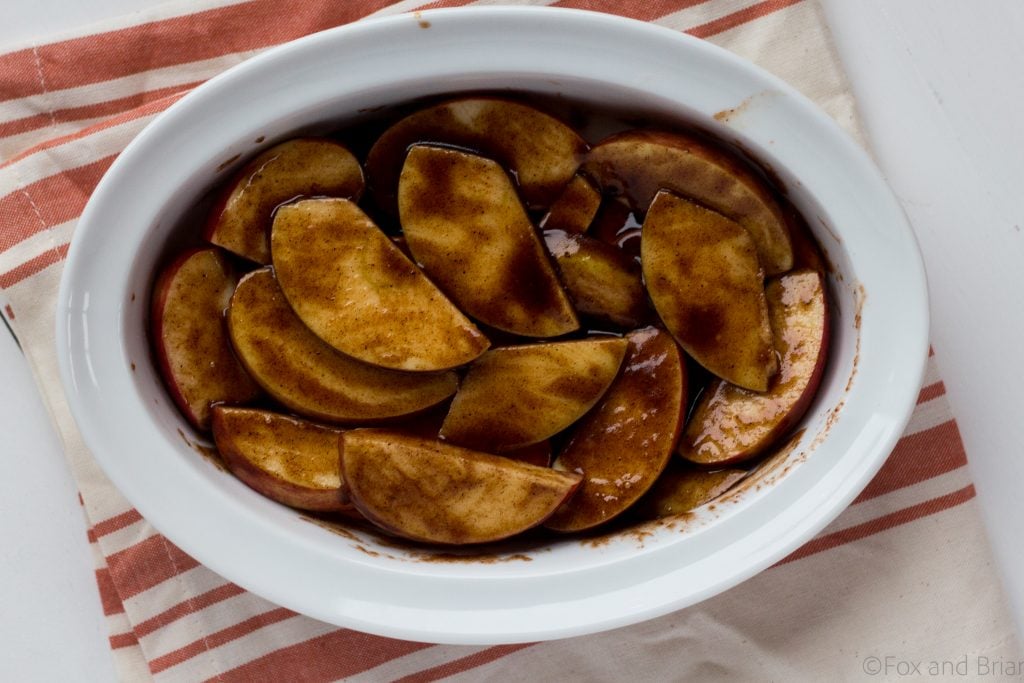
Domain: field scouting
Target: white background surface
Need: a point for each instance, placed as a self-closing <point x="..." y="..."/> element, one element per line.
<point x="940" y="84"/>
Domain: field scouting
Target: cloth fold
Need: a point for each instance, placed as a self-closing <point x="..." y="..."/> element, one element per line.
<point x="904" y="575"/>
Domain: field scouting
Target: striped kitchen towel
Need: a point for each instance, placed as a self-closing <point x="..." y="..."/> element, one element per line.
<point x="904" y="573"/>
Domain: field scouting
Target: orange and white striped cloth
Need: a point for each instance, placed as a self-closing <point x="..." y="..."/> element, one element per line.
<point x="905" y="574"/>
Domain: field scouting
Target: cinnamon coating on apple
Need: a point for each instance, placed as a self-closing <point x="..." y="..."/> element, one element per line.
<point x="513" y="328"/>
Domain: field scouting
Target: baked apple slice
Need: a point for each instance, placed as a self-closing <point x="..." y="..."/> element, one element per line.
<point x="806" y="252"/>
<point x="304" y="167"/>
<point x="425" y="490"/>
<point x="575" y="208"/>
<point x="291" y="461"/>
<point x="540" y="150"/>
<point x="616" y="224"/>
<point x="602" y="281"/>
<point x="622" y="446"/>
<point x="515" y="396"/>
<point x="683" y="488"/>
<point x="638" y="164"/>
<point x="704" y="279"/>
<point x="192" y="347"/>
<point x="428" y="426"/>
<point x="357" y="291"/>
<point x="538" y="454"/>
<point x="730" y="425"/>
<point x="466" y="227"/>
<point x="306" y="375"/>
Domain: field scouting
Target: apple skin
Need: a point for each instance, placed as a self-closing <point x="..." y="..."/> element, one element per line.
<point x="575" y="208"/>
<point x="338" y="271"/>
<point x="516" y="396"/>
<point x="291" y="461"/>
<point x="622" y="446"/>
<point x="466" y="226"/>
<point x="430" y="491"/>
<point x="309" y="377"/>
<point x="190" y="338"/>
<point x="684" y="488"/>
<point x="730" y="425"/>
<point x="240" y="219"/>
<point x="704" y="279"/>
<point x="542" y="151"/>
<point x="638" y="164"/>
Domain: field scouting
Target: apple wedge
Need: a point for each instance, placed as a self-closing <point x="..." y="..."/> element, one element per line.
<point x="638" y="164"/>
<point x="191" y="342"/>
<point x="304" y="167"/>
<point x="704" y="280"/>
<point x="602" y="281"/>
<point x="730" y="425"/>
<point x="540" y="150"/>
<point x="306" y="375"/>
<point x="515" y="396"/>
<point x="357" y="291"/>
<point x="466" y="227"/>
<point x="428" y="426"/>
<point x="538" y="454"/>
<point x="575" y="208"/>
<point x="617" y="225"/>
<point x="681" y="489"/>
<point x="806" y="252"/>
<point x="622" y="446"/>
<point x="430" y="491"/>
<point x="291" y="461"/>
